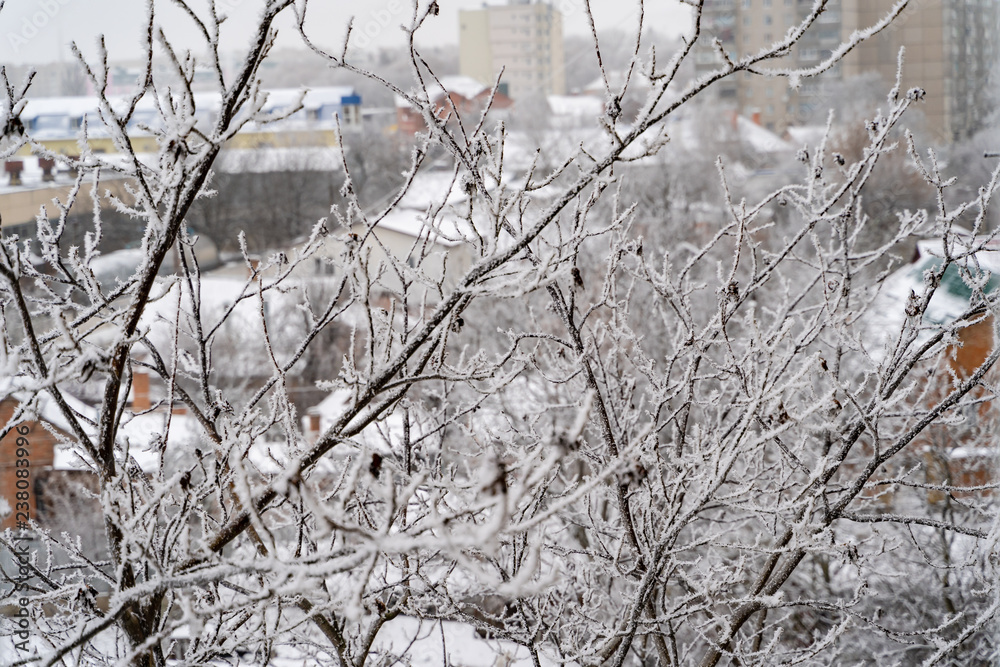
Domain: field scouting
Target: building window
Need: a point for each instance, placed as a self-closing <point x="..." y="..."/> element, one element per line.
<point x="747" y="20"/>
<point x="767" y="3"/>
<point x="746" y="4"/>
<point x="767" y="19"/>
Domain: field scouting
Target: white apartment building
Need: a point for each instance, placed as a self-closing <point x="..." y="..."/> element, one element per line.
<point x="522" y="38"/>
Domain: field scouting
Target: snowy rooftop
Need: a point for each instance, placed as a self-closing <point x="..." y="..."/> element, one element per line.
<point x="951" y="299"/>
<point x="806" y="135"/>
<point x="233" y="160"/>
<point x="616" y="79"/>
<point x="580" y="106"/>
<point x="142" y="432"/>
<point x="61" y="117"/>
<point x="446" y="230"/>
<point x="760" y="138"/>
<point x="75" y="107"/>
<point x="430" y="188"/>
<point x="465" y="86"/>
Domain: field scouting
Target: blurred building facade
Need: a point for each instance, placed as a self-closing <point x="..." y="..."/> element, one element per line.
<point x="523" y="38"/>
<point x="950" y="50"/>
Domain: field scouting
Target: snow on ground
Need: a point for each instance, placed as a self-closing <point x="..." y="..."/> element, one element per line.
<point x="426" y="642"/>
<point x="423" y="643"/>
<point x="119" y="265"/>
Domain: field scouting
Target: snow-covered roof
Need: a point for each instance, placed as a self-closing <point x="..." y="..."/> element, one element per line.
<point x="465" y="86"/>
<point x="430" y="188"/>
<point x="688" y="133"/>
<point x="46" y="407"/>
<point x="616" y="79"/>
<point x="384" y="435"/>
<point x="444" y="232"/>
<point x="59" y="115"/>
<point x="805" y="135"/>
<point x="951" y="299"/>
<point x="760" y="138"/>
<point x="276" y="98"/>
<point x="142" y="432"/>
<point x="58" y="106"/>
<point x="579" y="106"/>
<point x="987" y="258"/>
<point x="315" y="98"/>
<point x="120" y="264"/>
<point x="964" y="453"/>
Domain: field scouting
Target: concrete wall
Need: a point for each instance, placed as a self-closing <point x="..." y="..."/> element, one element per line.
<point x="475" y="57"/>
<point x="524" y="40"/>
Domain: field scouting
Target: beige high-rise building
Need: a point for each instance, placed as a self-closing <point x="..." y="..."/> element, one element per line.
<point x="522" y="38"/>
<point x="950" y="50"/>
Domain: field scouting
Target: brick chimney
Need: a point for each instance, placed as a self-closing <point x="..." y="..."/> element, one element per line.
<point x="312" y="424"/>
<point x="140" y="391"/>
<point x="47" y="165"/>
<point x="14" y="169"/>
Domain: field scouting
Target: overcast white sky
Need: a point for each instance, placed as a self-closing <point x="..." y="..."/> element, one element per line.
<point x="38" y="31"/>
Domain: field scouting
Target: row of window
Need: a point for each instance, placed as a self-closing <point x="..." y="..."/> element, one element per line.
<point x="527" y="75"/>
<point x="748" y="4"/>
<point x="537" y="48"/>
<point x="527" y="31"/>
<point x="525" y="60"/>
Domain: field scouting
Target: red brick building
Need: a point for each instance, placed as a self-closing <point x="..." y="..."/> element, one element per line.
<point x="20" y="473"/>
<point x="459" y="93"/>
<point x="963" y="452"/>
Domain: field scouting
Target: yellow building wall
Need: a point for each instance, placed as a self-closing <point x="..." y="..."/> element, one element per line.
<point x="148" y="144"/>
<point x="23" y="205"/>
